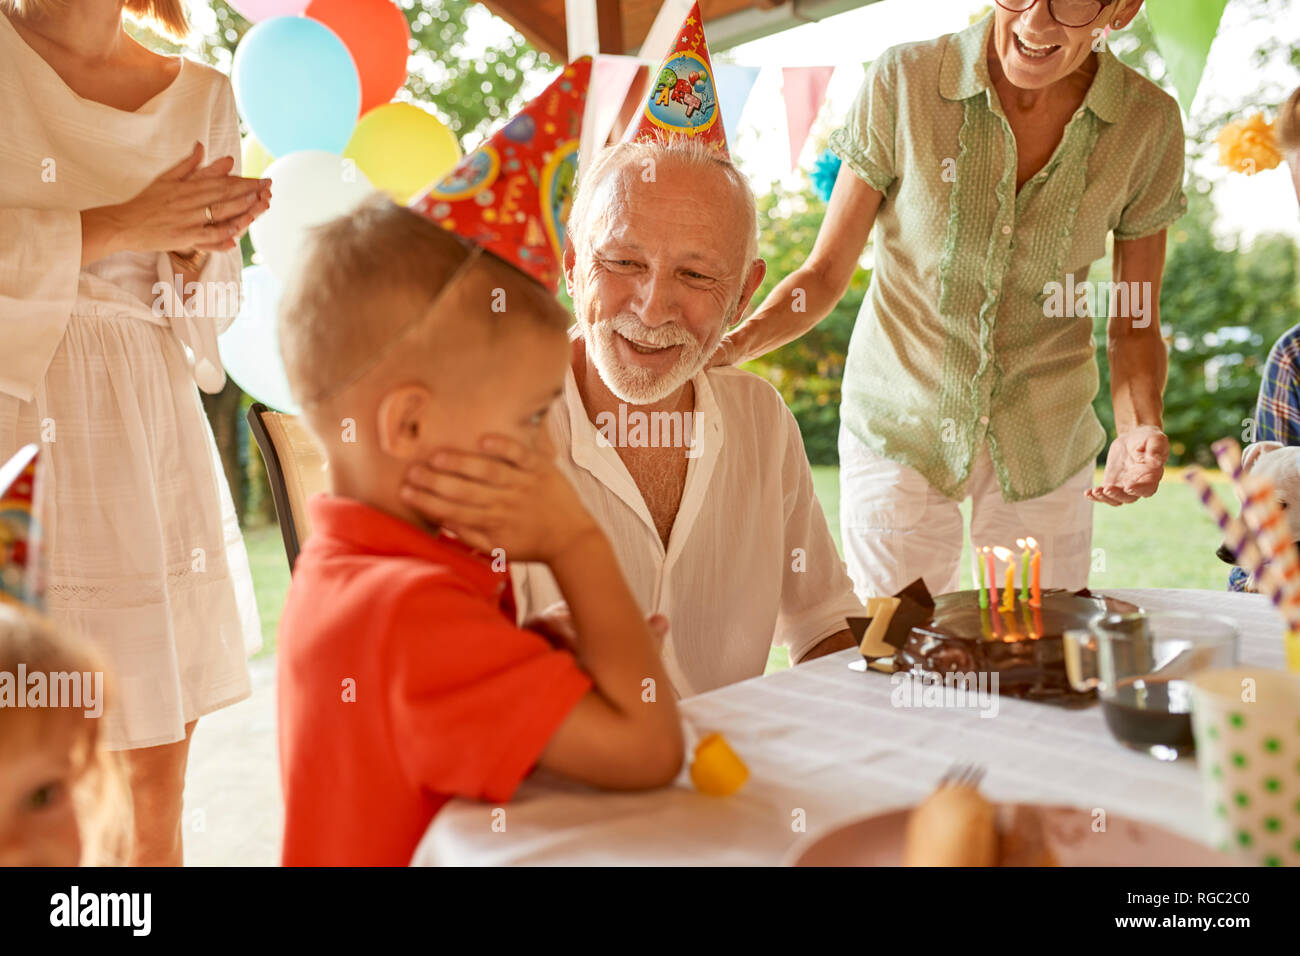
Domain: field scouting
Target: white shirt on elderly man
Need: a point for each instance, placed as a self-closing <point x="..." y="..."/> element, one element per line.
<point x="750" y="561"/>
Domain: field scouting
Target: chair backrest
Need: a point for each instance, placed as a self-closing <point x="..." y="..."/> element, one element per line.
<point x="295" y="468"/>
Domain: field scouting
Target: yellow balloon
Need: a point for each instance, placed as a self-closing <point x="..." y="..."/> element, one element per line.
<point x="254" y="158"/>
<point x="402" y="149"/>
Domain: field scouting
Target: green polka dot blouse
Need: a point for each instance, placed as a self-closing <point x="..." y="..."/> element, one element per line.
<point x="961" y="339"/>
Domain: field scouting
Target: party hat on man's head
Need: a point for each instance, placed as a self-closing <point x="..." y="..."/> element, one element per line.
<point x="683" y="96"/>
<point x="22" y="572"/>
<point x="512" y="195"/>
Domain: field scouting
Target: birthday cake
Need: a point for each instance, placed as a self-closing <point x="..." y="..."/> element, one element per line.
<point x="953" y="634"/>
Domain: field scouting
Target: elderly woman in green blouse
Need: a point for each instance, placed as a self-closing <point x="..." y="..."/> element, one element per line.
<point x="995" y="162"/>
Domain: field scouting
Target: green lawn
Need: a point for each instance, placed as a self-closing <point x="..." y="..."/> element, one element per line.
<point x="1167" y="541"/>
<point x="270" y="578"/>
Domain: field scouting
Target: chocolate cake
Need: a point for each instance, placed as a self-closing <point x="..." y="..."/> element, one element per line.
<point x="953" y="634"/>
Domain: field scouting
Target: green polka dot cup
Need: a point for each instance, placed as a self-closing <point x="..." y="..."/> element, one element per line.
<point x="1247" y="726"/>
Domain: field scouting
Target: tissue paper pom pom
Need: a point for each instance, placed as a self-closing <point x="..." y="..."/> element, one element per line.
<point x="823" y="174"/>
<point x="1249" y="147"/>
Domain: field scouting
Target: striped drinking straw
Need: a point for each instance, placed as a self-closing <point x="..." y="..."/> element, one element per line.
<point x="1263" y="516"/>
<point x="1281" y="554"/>
<point x="1244" y="547"/>
<point x="1260" y="512"/>
<point x="1235" y="533"/>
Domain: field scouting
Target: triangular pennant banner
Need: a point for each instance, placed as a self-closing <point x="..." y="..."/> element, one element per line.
<point x="803" y="88"/>
<point x="734" y="83"/>
<point x="1184" y="31"/>
<point x="611" y="79"/>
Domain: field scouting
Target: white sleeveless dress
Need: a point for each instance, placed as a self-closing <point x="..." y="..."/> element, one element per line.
<point x="145" y="556"/>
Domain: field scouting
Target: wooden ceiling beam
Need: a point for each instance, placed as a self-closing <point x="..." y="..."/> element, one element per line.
<point x="593" y="26"/>
<point x="545" y="33"/>
<point x="610" y="23"/>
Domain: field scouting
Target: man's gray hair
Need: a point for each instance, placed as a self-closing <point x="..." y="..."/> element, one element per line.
<point x="689" y="152"/>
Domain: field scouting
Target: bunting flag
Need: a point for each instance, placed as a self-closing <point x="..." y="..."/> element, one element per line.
<point x="1184" y="31"/>
<point x="512" y="195"/>
<point x="803" y="88"/>
<point x="734" y="83"/>
<point x="611" y="79"/>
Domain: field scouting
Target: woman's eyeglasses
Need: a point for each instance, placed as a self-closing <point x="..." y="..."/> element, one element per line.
<point x="1068" y="13"/>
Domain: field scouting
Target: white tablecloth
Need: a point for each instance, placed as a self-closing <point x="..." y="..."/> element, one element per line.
<point x="824" y="745"/>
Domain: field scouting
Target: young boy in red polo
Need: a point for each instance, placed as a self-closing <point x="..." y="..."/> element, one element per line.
<point x="403" y="679"/>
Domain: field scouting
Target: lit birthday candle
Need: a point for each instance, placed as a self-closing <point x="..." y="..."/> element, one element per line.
<point x="992" y="579"/>
<point x="1024" y="569"/>
<point x="1008" y="592"/>
<point x="977" y="575"/>
<point x="1036" y="589"/>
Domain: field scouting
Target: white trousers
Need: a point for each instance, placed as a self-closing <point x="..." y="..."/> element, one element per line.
<point x="896" y="528"/>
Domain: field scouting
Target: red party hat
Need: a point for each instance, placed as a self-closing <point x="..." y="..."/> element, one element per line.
<point x="512" y="195"/>
<point x="684" y="98"/>
<point x="22" y="578"/>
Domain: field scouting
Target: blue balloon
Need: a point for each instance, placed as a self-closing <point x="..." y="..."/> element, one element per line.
<point x="296" y="86"/>
<point x="250" y="348"/>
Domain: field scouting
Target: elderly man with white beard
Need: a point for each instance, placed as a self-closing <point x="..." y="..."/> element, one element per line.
<point x="714" y="519"/>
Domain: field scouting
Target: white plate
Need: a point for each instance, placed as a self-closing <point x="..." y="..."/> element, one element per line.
<point x="877" y="840"/>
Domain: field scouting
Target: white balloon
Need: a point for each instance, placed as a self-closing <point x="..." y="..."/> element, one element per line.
<point x="307" y="188"/>
<point x="250" y="348"/>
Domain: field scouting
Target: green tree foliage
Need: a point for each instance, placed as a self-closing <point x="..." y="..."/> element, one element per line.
<point x="1223" y="304"/>
<point x="473" y="91"/>
<point x="1222" y="307"/>
<point x="808" y="371"/>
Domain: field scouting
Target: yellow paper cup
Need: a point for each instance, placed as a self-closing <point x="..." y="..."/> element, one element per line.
<point x="1291" y="641"/>
<point x="1247" y="726"/>
<point x="716" y="770"/>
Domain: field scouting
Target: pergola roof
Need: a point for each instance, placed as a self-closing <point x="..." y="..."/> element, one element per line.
<point x="623" y="24"/>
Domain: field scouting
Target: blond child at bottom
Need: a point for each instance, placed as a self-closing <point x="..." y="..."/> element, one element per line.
<point x="63" y="796"/>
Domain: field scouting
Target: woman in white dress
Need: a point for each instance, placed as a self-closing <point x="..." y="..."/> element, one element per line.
<point x="103" y="195"/>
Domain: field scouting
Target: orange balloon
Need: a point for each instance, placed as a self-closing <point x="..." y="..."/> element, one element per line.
<point x="378" y="37"/>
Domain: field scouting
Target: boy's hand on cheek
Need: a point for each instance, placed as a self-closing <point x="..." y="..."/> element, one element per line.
<point x="505" y="496"/>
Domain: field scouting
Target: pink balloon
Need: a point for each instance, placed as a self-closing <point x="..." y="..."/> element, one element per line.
<point x="259" y="10"/>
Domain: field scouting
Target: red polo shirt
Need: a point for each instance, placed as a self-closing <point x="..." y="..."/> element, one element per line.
<point x="403" y="681"/>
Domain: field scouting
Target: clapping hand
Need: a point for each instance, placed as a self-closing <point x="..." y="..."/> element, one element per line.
<point x="187" y="207"/>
